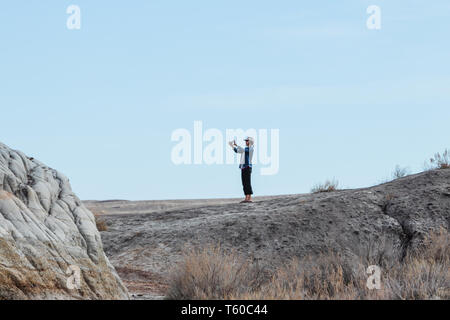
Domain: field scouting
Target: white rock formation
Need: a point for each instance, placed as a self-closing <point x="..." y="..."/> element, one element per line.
<point x="45" y="229"/>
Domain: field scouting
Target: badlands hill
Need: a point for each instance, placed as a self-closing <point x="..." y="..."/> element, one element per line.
<point x="145" y="239"/>
<point x="45" y="232"/>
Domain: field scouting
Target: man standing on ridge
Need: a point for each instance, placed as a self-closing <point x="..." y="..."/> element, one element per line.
<point x="245" y="165"/>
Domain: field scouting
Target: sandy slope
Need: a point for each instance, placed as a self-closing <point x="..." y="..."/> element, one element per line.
<point x="150" y="206"/>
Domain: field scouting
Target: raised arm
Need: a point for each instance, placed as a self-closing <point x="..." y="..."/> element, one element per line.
<point x="238" y="149"/>
<point x="235" y="147"/>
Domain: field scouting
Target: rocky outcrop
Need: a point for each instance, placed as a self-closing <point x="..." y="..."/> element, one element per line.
<point x="388" y="219"/>
<point x="46" y="231"/>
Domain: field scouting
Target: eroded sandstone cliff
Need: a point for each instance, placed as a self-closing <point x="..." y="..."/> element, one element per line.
<point x="45" y="229"/>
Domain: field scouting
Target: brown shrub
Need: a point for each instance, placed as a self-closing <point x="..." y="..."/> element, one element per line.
<point x="328" y="186"/>
<point x="100" y="223"/>
<point x="441" y="161"/>
<point x="425" y="272"/>
<point x="214" y="274"/>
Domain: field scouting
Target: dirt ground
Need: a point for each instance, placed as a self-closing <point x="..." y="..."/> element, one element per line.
<point x="144" y="240"/>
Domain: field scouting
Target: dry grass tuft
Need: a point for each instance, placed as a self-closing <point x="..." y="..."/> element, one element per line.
<point x="425" y="273"/>
<point x="328" y="186"/>
<point x="441" y="161"/>
<point x="214" y="274"/>
<point x="400" y="172"/>
<point x="100" y="223"/>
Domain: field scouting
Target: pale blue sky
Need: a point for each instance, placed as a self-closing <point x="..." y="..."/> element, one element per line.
<point x="99" y="104"/>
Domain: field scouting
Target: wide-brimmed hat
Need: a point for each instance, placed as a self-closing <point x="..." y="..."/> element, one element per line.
<point x="250" y="139"/>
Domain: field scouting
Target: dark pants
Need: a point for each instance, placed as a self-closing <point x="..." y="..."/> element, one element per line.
<point x="246" y="175"/>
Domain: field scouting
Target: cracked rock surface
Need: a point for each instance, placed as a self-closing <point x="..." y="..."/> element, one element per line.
<point x="44" y="229"/>
<point x="394" y="216"/>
